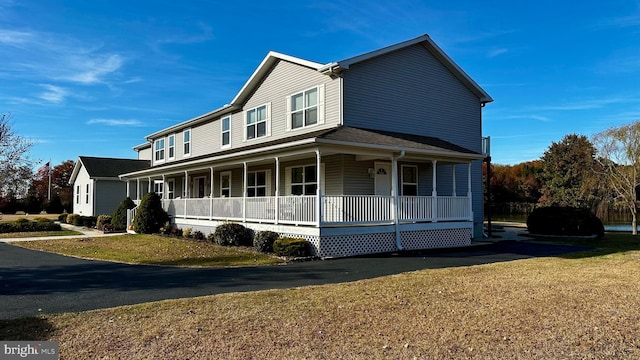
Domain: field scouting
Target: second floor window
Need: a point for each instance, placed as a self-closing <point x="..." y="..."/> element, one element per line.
<point x="159" y="150"/>
<point x="256" y="122"/>
<point x="186" y="140"/>
<point x="305" y="108"/>
<point x="226" y="131"/>
<point x="172" y="146"/>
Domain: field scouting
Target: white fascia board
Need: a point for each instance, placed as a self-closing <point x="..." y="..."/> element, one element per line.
<point x="76" y="170"/>
<point x="444" y="153"/>
<point x="264" y="67"/>
<point x="193" y="121"/>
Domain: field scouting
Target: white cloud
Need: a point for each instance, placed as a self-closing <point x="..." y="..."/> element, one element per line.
<point x="115" y="122"/>
<point x="495" y="52"/>
<point x="54" y="94"/>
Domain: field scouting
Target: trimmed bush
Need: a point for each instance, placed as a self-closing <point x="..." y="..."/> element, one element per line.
<point x="71" y="219"/>
<point x="119" y="218"/>
<point x="102" y="221"/>
<point x="42" y="219"/>
<point x="29" y="226"/>
<point x="197" y="235"/>
<point x="187" y="232"/>
<point x="150" y="216"/>
<point x="63" y="218"/>
<point x="564" y="221"/>
<point x="21" y="221"/>
<point x="291" y="247"/>
<point x="88" y="221"/>
<point x="263" y="241"/>
<point x="232" y="234"/>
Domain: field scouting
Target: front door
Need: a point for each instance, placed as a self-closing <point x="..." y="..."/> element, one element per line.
<point x="199" y="187"/>
<point x="382" y="175"/>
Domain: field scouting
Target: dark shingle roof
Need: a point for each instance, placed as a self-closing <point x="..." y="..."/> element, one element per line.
<point x="99" y="167"/>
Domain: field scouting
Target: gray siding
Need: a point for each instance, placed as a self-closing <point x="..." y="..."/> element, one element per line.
<point x="357" y="180"/>
<point x="108" y="196"/>
<point x="410" y="89"/>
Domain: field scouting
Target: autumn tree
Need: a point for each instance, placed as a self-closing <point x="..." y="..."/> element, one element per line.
<point x="15" y="165"/>
<point x="515" y="183"/>
<point x="618" y="151"/>
<point x="566" y="166"/>
<point x="61" y="190"/>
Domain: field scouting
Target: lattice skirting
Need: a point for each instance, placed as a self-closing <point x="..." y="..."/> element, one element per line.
<point x="438" y="238"/>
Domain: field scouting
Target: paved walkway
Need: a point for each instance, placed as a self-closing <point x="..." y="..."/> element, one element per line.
<point x="34" y="282"/>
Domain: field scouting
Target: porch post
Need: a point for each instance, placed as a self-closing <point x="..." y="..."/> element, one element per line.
<point x="137" y="189"/>
<point x="469" y="192"/>
<point x="318" y="190"/>
<point x="453" y="167"/>
<point x="164" y="187"/>
<point x="277" y="193"/>
<point x="128" y="192"/>
<point x="211" y="197"/>
<point x="434" y="191"/>
<point x="186" y="193"/>
<point x="150" y="185"/>
<point x="244" y="193"/>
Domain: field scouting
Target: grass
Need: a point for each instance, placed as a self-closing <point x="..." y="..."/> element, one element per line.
<point x="12" y="217"/>
<point x="581" y="306"/>
<point x="153" y="250"/>
<point x="39" y="234"/>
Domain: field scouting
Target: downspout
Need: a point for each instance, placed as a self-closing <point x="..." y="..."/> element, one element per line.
<point x="394" y="182"/>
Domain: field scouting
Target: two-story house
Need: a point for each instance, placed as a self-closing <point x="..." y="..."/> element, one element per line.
<point x="375" y="153"/>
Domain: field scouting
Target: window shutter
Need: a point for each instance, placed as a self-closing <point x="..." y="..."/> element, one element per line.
<point x="321" y="104"/>
<point x="268" y="122"/>
<point x="288" y="117"/>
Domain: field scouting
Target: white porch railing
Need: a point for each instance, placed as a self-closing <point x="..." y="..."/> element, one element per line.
<point x="336" y="209"/>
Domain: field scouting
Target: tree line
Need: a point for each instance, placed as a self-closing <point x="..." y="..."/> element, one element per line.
<point x="601" y="173"/>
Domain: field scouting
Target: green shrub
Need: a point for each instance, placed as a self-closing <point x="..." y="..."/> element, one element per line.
<point x="564" y="221"/>
<point x="102" y="221"/>
<point x="41" y="219"/>
<point x="29" y="226"/>
<point x="232" y="234"/>
<point x="197" y="235"/>
<point x="263" y="241"/>
<point x="291" y="247"/>
<point x="177" y="232"/>
<point x="63" y="218"/>
<point x="71" y="218"/>
<point x="87" y="221"/>
<point x="150" y="216"/>
<point x="21" y="221"/>
<point x="119" y="218"/>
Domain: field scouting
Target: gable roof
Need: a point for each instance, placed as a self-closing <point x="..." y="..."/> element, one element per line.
<point x="328" y="69"/>
<point x="107" y="168"/>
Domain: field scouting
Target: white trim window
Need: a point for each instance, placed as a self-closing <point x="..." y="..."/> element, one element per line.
<point x="171" y="188"/>
<point x="258" y="183"/>
<point x="225" y="184"/>
<point x="78" y="194"/>
<point x="409" y="180"/>
<point x="303" y="180"/>
<point x="86" y="200"/>
<point x="257" y="122"/>
<point x="158" y="188"/>
<point x="305" y="108"/>
<point x="172" y="146"/>
<point x="159" y="150"/>
<point x="225" y="140"/>
<point x="186" y="142"/>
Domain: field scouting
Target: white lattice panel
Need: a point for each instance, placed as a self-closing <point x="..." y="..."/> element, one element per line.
<point x="440" y="238"/>
<point x="356" y="244"/>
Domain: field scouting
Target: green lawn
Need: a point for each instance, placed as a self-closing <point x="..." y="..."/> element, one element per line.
<point x="39" y="234"/>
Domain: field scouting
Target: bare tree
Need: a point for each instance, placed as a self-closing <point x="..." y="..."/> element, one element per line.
<point x="619" y="160"/>
<point x="15" y="165"/>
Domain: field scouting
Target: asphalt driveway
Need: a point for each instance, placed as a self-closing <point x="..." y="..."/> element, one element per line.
<point x="33" y="282"/>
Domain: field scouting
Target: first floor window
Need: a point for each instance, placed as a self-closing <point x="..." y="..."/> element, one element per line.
<point x="409" y="180"/>
<point x="304" y="180"/>
<point x="225" y="184"/>
<point x="226" y="131"/>
<point x="257" y="184"/>
<point x="159" y="150"/>
<point x="158" y="188"/>
<point x="256" y="122"/>
<point x="171" y="188"/>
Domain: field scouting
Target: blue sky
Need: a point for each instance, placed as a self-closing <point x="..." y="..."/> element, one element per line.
<point x="94" y="77"/>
